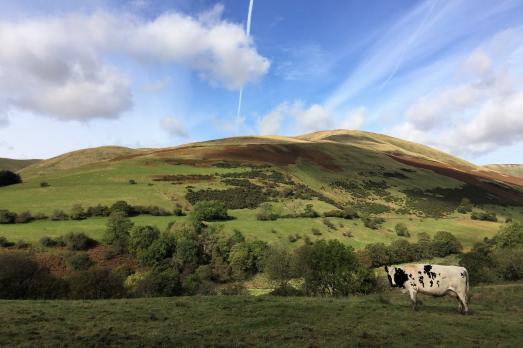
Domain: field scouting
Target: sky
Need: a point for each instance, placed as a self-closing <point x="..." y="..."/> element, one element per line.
<point x="85" y="73"/>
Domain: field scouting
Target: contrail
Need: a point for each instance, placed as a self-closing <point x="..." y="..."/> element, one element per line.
<point x="249" y="16"/>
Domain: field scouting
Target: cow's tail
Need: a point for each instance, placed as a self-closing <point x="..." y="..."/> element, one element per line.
<point x="467" y="280"/>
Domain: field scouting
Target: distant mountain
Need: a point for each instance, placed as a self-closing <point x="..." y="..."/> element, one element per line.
<point x="16" y="165"/>
<point x="507" y="169"/>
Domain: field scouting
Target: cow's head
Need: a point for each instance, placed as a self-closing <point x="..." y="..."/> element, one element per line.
<point x="397" y="276"/>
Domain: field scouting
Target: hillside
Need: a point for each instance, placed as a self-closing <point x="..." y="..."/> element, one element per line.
<point x="507" y="169"/>
<point x="16" y="165"/>
<point x="374" y="174"/>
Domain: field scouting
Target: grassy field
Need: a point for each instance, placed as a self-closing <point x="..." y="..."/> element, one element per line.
<point x="375" y="320"/>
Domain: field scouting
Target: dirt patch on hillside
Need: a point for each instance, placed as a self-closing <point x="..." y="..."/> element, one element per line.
<point x="277" y="154"/>
<point x="499" y="189"/>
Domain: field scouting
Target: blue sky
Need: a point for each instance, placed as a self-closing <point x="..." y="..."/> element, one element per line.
<point x="77" y="74"/>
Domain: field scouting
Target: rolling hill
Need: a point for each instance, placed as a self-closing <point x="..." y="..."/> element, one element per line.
<point x="16" y="165"/>
<point x="507" y="169"/>
<point x="375" y="174"/>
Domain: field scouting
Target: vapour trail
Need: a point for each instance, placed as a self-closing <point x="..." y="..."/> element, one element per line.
<point x="249" y="17"/>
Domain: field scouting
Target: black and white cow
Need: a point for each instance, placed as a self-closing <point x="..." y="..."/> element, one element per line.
<point x="435" y="280"/>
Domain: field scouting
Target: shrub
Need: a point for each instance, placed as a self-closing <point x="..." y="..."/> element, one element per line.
<point x="123" y="208"/>
<point x="293" y="237"/>
<point x="141" y="238"/>
<point x="21" y="277"/>
<point x="24" y="217"/>
<point x="402" y="230"/>
<point x="98" y="210"/>
<point x="350" y="213"/>
<point x="132" y="182"/>
<point x="484" y="216"/>
<point x="96" y="284"/>
<point x="209" y="211"/>
<point x="445" y="243"/>
<point x="49" y="242"/>
<point x="373" y="223"/>
<point x="241" y="260"/>
<point x="44" y="184"/>
<point x="7" y="217"/>
<point x="8" y="177"/>
<point x="117" y="231"/>
<point x="22" y="244"/>
<point x="266" y="213"/>
<point x="315" y="231"/>
<point x="78" y="212"/>
<point x="4" y="243"/>
<point x="509" y="236"/>
<point x="280" y="266"/>
<point x="309" y="212"/>
<point x="509" y="263"/>
<point x="160" y="283"/>
<point x="480" y="266"/>
<point x="329" y="224"/>
<point x="78" y="241"/>
<point x="161" y="249"/>
<point x="59" y="215"/>
<point x="333" y="213"/>
<point x="378" y="254"/>
<point x="79" y="261"/>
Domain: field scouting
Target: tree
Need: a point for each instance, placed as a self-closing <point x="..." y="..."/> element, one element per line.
<point x="423" y="247"/>
<point x="78" y="212"/>
<point x="378" y="254"/>
<point x="122" y="207"/>
<point x="8" y="177"/>
<point x="188" y="250"/>
<point x="402" y="230"/>
<point x="209" y="211"/>
<point x="445" y="243"/>
<point x="160" y="250"/>
<point x="141" y="238"/>
<point x="280" y="266"/>
<point x="266" y="212"/>
<point x="509" y="236"/>
<point x="241" y="260"/>
<point x="7" y="217"/>
<point x="401" y="251"/>
<point x="117" y="231"/>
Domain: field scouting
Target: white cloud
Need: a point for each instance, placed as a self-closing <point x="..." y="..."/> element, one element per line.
<point x="64" y="66"/>
<point x="355" y="118"/>
<point x="174" y="127"/>
<point x="314" y="118"/>
<point x="271" y="123"/>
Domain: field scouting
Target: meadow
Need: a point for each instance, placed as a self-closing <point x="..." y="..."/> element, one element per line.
<point x="375" y="320"/>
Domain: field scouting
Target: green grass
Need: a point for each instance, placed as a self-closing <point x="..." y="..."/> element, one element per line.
<point x="376" y="320"/>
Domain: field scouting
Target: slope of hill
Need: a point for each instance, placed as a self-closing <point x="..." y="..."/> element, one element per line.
<point x="15" y="164"/>
<point x="375" y="174"/>
<point x="507" y="169"/>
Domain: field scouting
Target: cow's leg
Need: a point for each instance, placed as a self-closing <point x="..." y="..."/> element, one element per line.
<point x="413" y="294"/>
<point x="463" y="306"/>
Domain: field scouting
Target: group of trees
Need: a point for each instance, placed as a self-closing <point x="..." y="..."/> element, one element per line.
<point x="8" y="177"/>
<point x="497" y="258"/>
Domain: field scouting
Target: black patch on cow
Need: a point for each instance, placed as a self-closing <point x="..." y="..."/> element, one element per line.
<point x="419" y="272"/>
<point x="421" y="281"/>
<point x="462" y="275"/>
<point x="400" y="277"/>
<point x="431" y="283"/>
<point x="427" y="270"/>
<point x="410" y="276"/>
<point x="437" y="283"/>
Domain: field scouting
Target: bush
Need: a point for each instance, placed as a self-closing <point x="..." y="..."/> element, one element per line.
<point x="241" y="260"/>
<point x="141" y="238"/>
<point x="4" y="243"/>
<point x="209" y="211"/>
<point x="59" y="215"/>
<point x="24" y="217"/>
<point x="132" y="182"/>
<point x="49" y="242"/>
<point x="484" y="216"/>
<point x="78" y="212"/>
<point x="378" y="254"/>
<point x="44" y="184"/>
<point x="123" y="208"/>
<point x="96" y="284"/>
<point x="79" y="261"/>
<point x="509" y="263"/>
<point x="309" y="212"/>
<point x="329" y="224"/>
<point x="373" y="223"/>
<point x="78" y="241"/>
<point x="21" y="277"/>
<point x="315" y="231"/>
<point x="8" y="177"/>
<point x="402" y="230"/>
<point x="98" y="210"/>
<point x="22" y="244"/>
<point x="281" y="266"/>
<point x="117" y="231"/>
<point x="509" y="236"/>
<point x="160" y="283"/>
<point x="161" y="249"/>
<point x="7" y="217"/>
<point x="480" y="266"/>
<point x="266" y="213"/>
<point x="444" y="243"/>
<point x="331" y="268"/>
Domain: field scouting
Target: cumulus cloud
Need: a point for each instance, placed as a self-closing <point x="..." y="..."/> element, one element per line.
<point x="355" y="118"/>
<point x="64" y="66"/>
<point x="174" y="127"/>
<point x="482" y="110"/>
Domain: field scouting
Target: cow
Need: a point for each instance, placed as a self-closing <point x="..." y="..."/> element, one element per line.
<point x="435" y="280"/>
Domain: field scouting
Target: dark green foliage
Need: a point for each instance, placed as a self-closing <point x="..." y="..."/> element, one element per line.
<point x="78" y="241"/>
<point x="378" y="254"/>
<point x="59" y="215"/>
<point x="248" y="196"/>
<point x="484" y="216"/>
<point x="465" y="206"/>
<point x="509" y="236"/>
<point x="44" y="184"/>
<point x="241" y="260"/>
<point x="400" y="250"/>
<point x="401" y="230"/>
<point x="132" y="182"/>
<point x="509" y="263"/>
<point x="150" y="210"/>
<point x="266" y="213"/>
<point x="141" y="238"/>
<point x="373" y="223"/>
<point x="78" y="212"/>
<point x="315" y="231"/>
<point x="160" y="283"/>
<point x="331" y="268"/>
<point x="117" y="231"/>
<point x="309" y="212"/>
<point x="329" y="224"/>
<point x="24" y="217"/>
<point x="4" y="243"/>
<point x="49" y="242"/>
<point x="21" y="277"/>
<point x="123" y="208"/>
<point x="79" y="261"/>
<point x="161" y="249"/>
<point x="480" y="265"/>
<point x="96" y="284"/>
<point x="8" y="177"/>
<point x="7" y="217"/>
<point x="281" y="266"/>
<point x="209" y="211"/>
<point x="98" y="210"/>
<point x="445" y="243"/>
